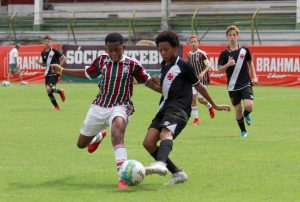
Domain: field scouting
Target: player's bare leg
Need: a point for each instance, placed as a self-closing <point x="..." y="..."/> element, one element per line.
<point x="195" y="110"/>
<point x="240" y="119"/>
<point x="117" y="139"/>
<point x="248" y="108"/>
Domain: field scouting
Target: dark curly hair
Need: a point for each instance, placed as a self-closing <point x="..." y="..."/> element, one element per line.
<point x="114" y="37"/>
<point x="168" y="36"/>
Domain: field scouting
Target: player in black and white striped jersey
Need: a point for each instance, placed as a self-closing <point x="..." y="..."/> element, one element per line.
<point x="52" y="56"/>
<point x="236" y="61"/>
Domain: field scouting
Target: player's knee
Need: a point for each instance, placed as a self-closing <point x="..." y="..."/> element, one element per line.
<point x="80" y="145"/>
<point x="147" y="145"/>
<point x="48" y="89"/>
<point x="202" y="101"/>
<point x="249" y="108"/>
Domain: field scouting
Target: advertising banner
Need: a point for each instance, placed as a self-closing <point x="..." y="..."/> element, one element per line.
<point x="275" y="65"/>
<point x="81" y="56"/>
<point x="28" y="54"/>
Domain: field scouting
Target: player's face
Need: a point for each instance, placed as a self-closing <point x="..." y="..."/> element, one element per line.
<point x="232" y="37"/>
<point x="115" y="50"/>
<point x="47" y="43"/>
<point x="194" y="43"/>
<point x="167" y="52"/>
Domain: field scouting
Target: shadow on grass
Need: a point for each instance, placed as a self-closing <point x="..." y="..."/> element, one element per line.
<point x="71" y="183"/>
<point x="219" y="137"/>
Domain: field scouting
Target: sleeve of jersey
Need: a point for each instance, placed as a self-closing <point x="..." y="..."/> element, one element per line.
<point x="57" y="52"/>
<point x="93" y="71"/>
<point x="140" y="73"/>
<point x="191" y="74"/>
<point x="222" y="59"/>
<point x="248" y="55"/>
<point x="206" y="60"/>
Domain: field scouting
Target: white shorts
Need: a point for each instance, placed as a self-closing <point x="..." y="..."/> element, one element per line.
<point x="98" y="118"/>
<point x="195" y="92"/>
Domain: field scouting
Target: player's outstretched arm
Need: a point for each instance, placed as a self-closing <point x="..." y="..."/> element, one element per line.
<point x="80" y="73"/>
<point x="201" y="89"/>
<point x="154" y="83"/>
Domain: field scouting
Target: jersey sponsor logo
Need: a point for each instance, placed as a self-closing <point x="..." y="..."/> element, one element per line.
<point x="169" y="126"/>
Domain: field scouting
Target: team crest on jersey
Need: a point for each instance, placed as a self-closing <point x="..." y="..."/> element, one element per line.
<point x="106" y="61"/>
<point x="242" y="55"/>
<point x="170" y="76"/>
<point x="126" y="66"/>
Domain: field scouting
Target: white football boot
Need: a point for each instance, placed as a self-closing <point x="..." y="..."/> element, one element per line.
<point x="177" y="178"/>
<point x="157" y="167"/>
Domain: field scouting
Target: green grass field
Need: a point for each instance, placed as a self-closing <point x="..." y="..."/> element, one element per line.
<point x="40" y="160"/>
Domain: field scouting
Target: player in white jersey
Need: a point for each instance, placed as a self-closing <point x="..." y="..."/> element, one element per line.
<point x="236" y="61"/>
<point x="14" y="66"/>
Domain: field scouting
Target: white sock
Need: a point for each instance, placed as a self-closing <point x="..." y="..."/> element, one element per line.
<point x="120" y="155"/>
<point x="97" y="138"/>
<point x="195" y="111"/>
<point x="208" y="105"/>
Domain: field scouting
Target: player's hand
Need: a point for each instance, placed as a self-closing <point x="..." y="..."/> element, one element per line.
<point x="222" y="108"/>
<point x="56" y="68"/>
<point x="254" y="81"/>
<point x="231" y="61"/>
<point x="155" y="80"/>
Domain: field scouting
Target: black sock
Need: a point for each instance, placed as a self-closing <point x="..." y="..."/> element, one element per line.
<point x="55" y="90"/>
<point x="53" y="100"/>
<point x="246" y="113"/>
<point x="164" y="150"/>
<point x="242" y="124"/>
<point x="170" y="165"/>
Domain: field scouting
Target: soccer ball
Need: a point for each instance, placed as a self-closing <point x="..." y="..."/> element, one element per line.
<point x="132" y="172"/>
<point x="5" y="83"/>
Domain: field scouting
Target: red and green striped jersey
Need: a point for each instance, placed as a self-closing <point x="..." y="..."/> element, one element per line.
<point x="116" y="80"/>
<point x="199" y="61"/>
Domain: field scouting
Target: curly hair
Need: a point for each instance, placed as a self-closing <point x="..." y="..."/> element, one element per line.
<point x="168" y="36"/>
<point x="114" y="37"/>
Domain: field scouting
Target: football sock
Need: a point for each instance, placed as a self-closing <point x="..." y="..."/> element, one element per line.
<point x="164" y="150"/>
<point x="246" y="113"/>
<point x="241" y="124"/>
<point x="52" y="99"/>
<point x="170" y="165"/>
<point x="55" y="90"/>
<point x="97" y="138"/>
<point x="195" y="111"/>
<point x="208" y="105"/>
<point x="120" y="155"/>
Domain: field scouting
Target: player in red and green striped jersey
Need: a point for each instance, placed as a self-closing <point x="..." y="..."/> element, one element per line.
<point x="112" y="105"/>
<point x="199" y="60"/>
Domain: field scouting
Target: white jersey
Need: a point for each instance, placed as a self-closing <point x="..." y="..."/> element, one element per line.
<point x="12" y="55"/>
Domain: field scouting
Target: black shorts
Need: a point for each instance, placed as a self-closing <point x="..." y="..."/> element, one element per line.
<point x="237" y="96"/>
<point x="51" y="80"/>
<point x="173" y="119"/>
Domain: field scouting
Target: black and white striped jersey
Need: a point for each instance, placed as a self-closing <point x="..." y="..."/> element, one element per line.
<point x="177" y="79"/>
<point x="238" y="76"/>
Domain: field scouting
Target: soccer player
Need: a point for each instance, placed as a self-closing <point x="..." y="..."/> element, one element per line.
<point x="236" y="61"/>
<point x="52" y="56"/>
<point x="112" y="105"/>
<point x="177" y="79"/>
<point x="200" y="62"/>
<point x="14" y="67"/>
